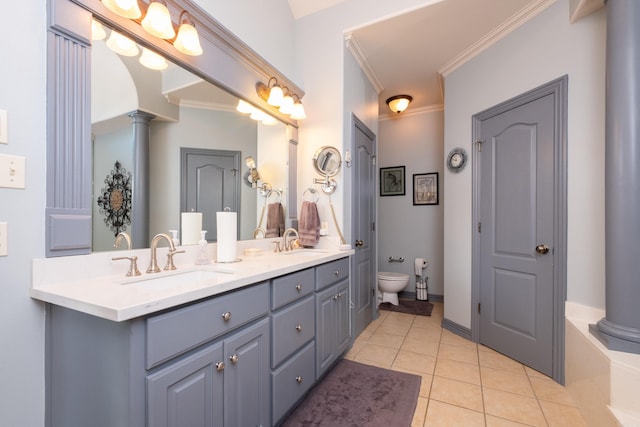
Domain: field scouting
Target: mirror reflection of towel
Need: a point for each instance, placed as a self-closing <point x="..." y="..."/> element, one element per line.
<point x="275" y="220"/>
<point x="309" y="225"/>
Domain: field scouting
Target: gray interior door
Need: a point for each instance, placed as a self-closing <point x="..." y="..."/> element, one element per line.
<point x="363" y="277"/>
<point x="210" y="183"/>
<point x="517" y="232"/>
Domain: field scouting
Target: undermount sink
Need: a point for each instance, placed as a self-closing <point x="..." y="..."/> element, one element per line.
<point x="306" y="252"/>
<point x="172" y="280"/>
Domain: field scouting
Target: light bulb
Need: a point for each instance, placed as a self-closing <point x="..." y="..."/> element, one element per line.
<point x="157" y="21"/>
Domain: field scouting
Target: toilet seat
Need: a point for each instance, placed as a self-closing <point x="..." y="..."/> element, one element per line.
<point x="392" y="276"/>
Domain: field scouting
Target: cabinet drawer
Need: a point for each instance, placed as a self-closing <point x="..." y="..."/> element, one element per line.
<point x="291" y="287"/>
<point x="331" y="272"/>
<point x="177" y="331"/>
<point x="292" y="328"/>
<point x="292" y="380"/>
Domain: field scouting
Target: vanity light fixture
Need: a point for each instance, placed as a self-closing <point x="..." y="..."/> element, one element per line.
<point x="399" y="103"/>
<point x="281" y="98"/>
<point x="244" y="107"/>
<point x="157" y="21"/>
<point x="152" y="60"/>
<point x="187" y="40"/>
<point x="122" y="45"/>
<point x="298" y="110"/>
<point x="125" y="8"/>
<point x="97" y="31"/>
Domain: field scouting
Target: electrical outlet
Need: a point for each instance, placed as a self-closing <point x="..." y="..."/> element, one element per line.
<point x="4" y="250"/>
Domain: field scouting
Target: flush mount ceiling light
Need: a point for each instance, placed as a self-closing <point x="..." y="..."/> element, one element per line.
<point x="157" y="21"/>
<point x="399" y="103"/>
<point x="187" y="40"/>
<point x="125" y="8"/>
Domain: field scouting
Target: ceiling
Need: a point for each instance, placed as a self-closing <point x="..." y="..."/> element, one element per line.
<point x="409" y="53"/>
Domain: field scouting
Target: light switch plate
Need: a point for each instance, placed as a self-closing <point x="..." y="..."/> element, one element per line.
<point x="4" y="127"/>
<point x="4" y="240"/>
<point x="12" y="171"/>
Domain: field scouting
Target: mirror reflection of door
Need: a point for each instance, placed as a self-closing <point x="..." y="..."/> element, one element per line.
<point x="210" y="183"/>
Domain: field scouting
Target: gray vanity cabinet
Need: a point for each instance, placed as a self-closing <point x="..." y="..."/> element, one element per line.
<point x="332" y="313"/>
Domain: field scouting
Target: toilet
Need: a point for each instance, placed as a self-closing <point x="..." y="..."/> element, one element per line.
<point x="389" y="284"/>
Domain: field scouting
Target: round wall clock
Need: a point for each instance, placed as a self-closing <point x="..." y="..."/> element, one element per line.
<point x="457" y="159"/>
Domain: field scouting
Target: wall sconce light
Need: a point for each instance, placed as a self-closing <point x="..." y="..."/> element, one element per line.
<point x="281" y="98"/>
<point x="125" y="8"/>
<point x="253" y="176"/>
<point x="399" y="103"/>
<point x="157" y="21"/>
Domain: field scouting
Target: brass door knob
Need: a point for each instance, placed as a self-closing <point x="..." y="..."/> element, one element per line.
<point x="542" y="249"/>
<point x="359" y="243"/>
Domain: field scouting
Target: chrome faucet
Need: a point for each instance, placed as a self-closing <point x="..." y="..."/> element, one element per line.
<point x="153" y="263"/>
<point x="289" y="244"/>
<point x="133" y="260"/>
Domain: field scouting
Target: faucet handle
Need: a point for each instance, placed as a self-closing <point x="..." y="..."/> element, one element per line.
<point x="170" y="254"/>
<point x="277" y="248"/>
<point x="133" y="266"/>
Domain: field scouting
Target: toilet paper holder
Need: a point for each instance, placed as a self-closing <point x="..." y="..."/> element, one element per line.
<point x="399" y="259"/>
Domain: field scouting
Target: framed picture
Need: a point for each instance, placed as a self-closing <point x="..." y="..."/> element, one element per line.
<point x="392" y="181"/>
<point x="425" y="188"/>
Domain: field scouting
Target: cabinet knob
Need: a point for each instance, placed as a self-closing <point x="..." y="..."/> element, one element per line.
<point x="335" y="297"/>
<point x="298" y="379"/>
<point x="299" y="328"/>
<point x="337" y="272"/>
<point x="226" y="316"/>
<point x="298" y="287"/>
<point x="220" y="366"/>
<point x="234" y="358"/>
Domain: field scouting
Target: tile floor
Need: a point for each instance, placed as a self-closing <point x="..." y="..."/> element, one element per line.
<point x="463" y="383"/>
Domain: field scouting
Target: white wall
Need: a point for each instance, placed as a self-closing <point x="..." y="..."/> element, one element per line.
<point x="414" y="141"/>
<point x="543" y="49"/>
<point x="23" y="95"/>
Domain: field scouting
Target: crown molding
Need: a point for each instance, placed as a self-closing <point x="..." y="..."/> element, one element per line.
<point x="412" y="112"/>
<point x="497" y="34"/>
<point x="352" y="46"/>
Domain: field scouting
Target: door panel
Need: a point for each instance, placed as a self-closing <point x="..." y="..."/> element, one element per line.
<point x="516" y="215"/>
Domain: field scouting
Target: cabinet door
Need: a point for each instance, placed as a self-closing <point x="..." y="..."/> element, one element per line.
<point x="325" y="334"/>
<point x="341" y="316"/>
<point x="247" y="391"/>
<point x="187" y="393"/>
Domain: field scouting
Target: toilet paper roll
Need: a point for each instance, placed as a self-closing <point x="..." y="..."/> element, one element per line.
<point x="227" y="227"/>
<point x="420" y="264"/>
<point x="191" y="227"/>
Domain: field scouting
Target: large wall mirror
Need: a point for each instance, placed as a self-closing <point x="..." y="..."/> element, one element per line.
<point x="187" y="115"/>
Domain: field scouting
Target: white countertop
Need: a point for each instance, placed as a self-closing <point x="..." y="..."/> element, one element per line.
<point x="96" y="285"/>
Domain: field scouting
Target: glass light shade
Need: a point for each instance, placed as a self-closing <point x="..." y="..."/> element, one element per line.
<point x="268" y="120"/>
<point x="152" y="60"/>
<point x="125" y="8"/>
<point x="275" y="96"/>
<point x="188" y="41"/>
<point x="97" y="31"/>
<point x="399" y="103"/>
<point x="287" y="105"/>
<point x="251" y="164"/>
<point x="298" y="111"/>
<point x="157" y="21"/>
<point x="122" y="45"/>
<point x="258" y="115"/>
<point x="244" y="107"/>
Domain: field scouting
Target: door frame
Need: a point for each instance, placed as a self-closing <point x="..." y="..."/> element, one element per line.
<point x="559" y="89"/>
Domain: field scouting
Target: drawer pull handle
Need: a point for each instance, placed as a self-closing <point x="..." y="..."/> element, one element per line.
<point x="226" y="316"/>
<point x="298" y="287"/>
<point x="337" y="272"/>
<point x="335" y="297"/>
<point x="220" y="366"/>
<point x="298" y="379"/>
<point x="299" y="328"/>
<point x="234" y="359"/>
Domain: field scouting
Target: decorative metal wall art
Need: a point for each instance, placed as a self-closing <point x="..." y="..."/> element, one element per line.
<point x="115" y="199"/>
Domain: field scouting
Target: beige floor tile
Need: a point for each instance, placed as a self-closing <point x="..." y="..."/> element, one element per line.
<point x="551" y="391"/>
<point x="501" y="422"/>
<point x="459" y="353"/>
<point x="426" y="322"/>
<point x="434" y="333"/>
<point x="458" y="371"/>
<point x="562" y="415"/>
<point x="441" y="414"/>
<point x="386" y="340"/>
<point x="399" y="318"/>
<point x="377" y="353"/>
<point x="451" y="338"/>
<point x="425" y="383"/>
<point x="394" y="329"/>
<point x="457" y="393"/>
<point x="428" y="346"/>
<point x="506" y="381"/>
<point x="499" y="361"/>
<point x="420" y="413"/>
<point x="533" y="373"/>
<point x="513" y="407"/>
<point x="415" y="361"/>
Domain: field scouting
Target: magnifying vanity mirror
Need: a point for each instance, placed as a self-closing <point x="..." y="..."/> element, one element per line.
<point x="327" y="161"/>
<point x="197" y="143"/>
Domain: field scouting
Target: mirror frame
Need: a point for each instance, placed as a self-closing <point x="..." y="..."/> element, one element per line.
<point x="227" y="62"/>
<point x="320" y="154"/>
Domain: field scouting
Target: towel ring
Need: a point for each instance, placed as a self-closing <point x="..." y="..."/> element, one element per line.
<point x="265" y="190"/>
<point x="278" y="192"/>
<point x="313" y="192"/>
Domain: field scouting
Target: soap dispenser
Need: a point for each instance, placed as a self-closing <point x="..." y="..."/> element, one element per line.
<point x="174" y="237"/>
<point x="203" y="256"/>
